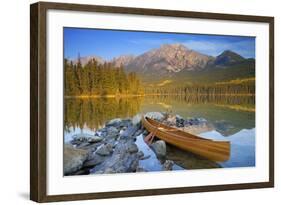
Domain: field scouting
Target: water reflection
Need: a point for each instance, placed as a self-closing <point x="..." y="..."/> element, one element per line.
<point x="227" y="114"/>
<point x="230" y="117"/>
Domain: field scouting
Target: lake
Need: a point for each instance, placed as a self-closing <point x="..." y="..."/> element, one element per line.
<point x="232" y="118"/>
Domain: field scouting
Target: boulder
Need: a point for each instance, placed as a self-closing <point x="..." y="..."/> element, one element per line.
<point x="104" y="150"/>
<point x="82" y="145"/>
<point x="140" y="154"/>
<point x="159" y="147"/>
<point x="136" y="120"/>
<point x="73" y="159"/>
<point x="112" y="132"/>
<point x="95" y="160"/>
<point x="82" y="137"/>
<point x="109" y="171"/>
<point x="179" y="121"/>
<point x="155" y="115"/>
<point x="132" y="148"/>
<point x="121" y="161"/>
<point x="129" y="132"/>
<point x="91" y="147"/>
<point x="95" y="139"/>
<point x="140" y="131"/>
<point x="114" y="122"/>
<point x="168" y="165"/>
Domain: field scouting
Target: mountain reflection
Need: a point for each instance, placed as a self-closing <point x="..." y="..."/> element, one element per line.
<point x="228" y="114"/>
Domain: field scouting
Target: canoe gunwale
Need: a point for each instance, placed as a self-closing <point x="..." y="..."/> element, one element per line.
<point x="208" y="148"/>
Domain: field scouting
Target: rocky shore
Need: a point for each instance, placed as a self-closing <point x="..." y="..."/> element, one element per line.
<point x="113" y="149"/>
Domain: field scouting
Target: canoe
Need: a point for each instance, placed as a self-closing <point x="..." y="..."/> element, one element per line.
<point x="213" y="150"/>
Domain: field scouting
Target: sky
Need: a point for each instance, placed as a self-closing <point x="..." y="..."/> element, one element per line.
<point x="113" y="43"/>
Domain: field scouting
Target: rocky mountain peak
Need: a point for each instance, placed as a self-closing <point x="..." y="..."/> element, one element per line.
<point x="169" y="58"/>
<point x="122" y="60"/>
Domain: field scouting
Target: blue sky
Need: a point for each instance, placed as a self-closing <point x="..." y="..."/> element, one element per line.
<point x="113" y="43"/>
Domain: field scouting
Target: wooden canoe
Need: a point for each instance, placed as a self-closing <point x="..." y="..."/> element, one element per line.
<point x="213" y="150"/>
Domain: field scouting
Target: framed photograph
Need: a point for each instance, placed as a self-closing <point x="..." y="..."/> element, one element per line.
<point x="133" y="102"/>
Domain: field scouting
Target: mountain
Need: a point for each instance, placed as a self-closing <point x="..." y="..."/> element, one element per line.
<point x="227" y="58"/>
<point x="179" y="64"/>
<point x="122" y="60"/>
<point x="168" y="59"/>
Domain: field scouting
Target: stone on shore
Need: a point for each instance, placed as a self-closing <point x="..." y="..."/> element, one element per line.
<point x="136" y="120"/>
<point x="114" y="122"/>
<point x="80" y="138"/>
<point x="159" y="148"/>
<point x="129" y="132"/>
<point x="95" y="160"/>
<point x="112" y="132"/>
<point x="155" y="115"/>
<point x="104" y="150"/>
<point x="168" y="165"/>
<point x="141" y="169"/>
<point x="121" y="160"/>
<point x="95" y="139"/>
<point x="73" y="159"/>
<point x="140" y="154"/>
<point x="132" y="148"/>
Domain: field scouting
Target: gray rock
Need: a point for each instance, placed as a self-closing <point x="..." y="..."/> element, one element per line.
<point x="132" y="148"/>
<point x="159" y="148"/>
<point x="112" y="142"/>
<point x="178" y="117"/>
<point x="114" y="122"/>
<point x="137" y="120"/>
<point x="95" y="139"/>
<point x="112" y="132"/>
<point x="129" y="132"/>
<point x="140" y="131"/>
<point x="125" y="123"/>
<point x="141" y="169"/>
<point x="91" y="147"/>
<point x="95" y="160"/>
<point x="179" y="121"/>
<point x="121" y="161"/>
<point x="168" y="165"/>
<point x="81" y="172"/>
<point x="155" y="115"/>
<point x="82" y="145"/>
<point x="134" y="165"/>
<point x="104" y="150"/>
<point x="140" y="154"/>
<point x="109" y="171"/>
<point x="82" y="137"/>
<point x="145" y="132"/>
<point x="73" y="159"/>
<point x="97" y="172"/>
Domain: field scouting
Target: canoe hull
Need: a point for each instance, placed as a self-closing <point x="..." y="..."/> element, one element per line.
<point x="212" y="150"/>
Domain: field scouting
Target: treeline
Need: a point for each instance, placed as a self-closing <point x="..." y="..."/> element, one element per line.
<point x="237" y="87"/>
<point x="99" y="79"/>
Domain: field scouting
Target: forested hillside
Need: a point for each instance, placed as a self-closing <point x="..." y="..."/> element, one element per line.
<point x="99" y="79"/>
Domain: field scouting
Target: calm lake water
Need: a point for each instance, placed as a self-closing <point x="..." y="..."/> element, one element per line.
<point x="232" y="118"/>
